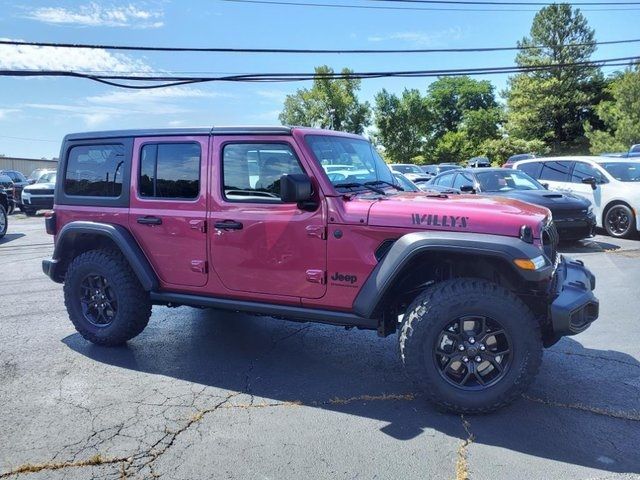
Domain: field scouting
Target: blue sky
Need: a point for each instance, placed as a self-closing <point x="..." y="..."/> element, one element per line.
<point x="36" y="113"/>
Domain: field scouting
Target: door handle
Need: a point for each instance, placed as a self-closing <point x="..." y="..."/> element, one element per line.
<point x="149" y="220"/>
<point x="228" y="225"/>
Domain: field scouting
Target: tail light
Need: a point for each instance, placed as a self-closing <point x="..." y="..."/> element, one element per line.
<point x="50" y="222"/>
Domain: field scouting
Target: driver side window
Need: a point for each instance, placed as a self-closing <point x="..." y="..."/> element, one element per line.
<point x="251" y="171"/>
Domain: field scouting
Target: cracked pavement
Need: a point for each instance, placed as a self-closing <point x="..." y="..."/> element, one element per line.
<point x="206" y="394"/>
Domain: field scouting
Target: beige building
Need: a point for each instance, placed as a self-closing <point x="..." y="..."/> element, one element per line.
<point x="26" y="165"/>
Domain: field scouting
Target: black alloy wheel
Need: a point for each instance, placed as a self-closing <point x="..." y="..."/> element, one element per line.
<point x="98" y="300"/>
<point x="619" y="221"/>
<point x="473" y="352"/>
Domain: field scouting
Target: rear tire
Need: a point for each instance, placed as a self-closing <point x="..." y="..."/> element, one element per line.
<point x="105" y="301"/>
<point x="502" y="354"/>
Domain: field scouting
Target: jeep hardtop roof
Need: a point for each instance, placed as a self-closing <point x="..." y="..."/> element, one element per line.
<point x="228" y="130"/>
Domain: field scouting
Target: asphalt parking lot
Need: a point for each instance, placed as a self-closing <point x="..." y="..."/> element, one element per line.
<point x="205" y="394"/>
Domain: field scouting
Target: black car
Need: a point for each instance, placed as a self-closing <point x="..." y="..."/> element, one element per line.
<point x="432" y="170"/>
<point x="479" y="162"/>
<point x="7" y="187"/>
<point x="572" y="214"/>
<point x="19" y="182"/>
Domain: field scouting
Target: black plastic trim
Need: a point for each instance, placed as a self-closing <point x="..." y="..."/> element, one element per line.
<point x="118" y="234"/>
<point x="295" y="313"/>
<point x="168" y="132"/>
<point x="406" y="248"/>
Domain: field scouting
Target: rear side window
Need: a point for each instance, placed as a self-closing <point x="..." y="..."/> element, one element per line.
<point x="252" y="171"/>
<point x="446" y="180"/>
<point x="170" y="170"/>
<point x="463" y="179"/>
<point x="555" y="171"/>
<point x="94" y="171"/>
<point x="531" y="168"/>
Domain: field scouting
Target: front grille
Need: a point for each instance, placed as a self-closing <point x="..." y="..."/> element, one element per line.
<point x="572" y="214"/>
<point x="44" y="191"/>
<point x="550" y="240"/>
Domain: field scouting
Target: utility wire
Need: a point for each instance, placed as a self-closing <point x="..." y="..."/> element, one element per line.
<point x="305" y="50"/>
<point x="386" y="7"/>
<point x="169" y="81"/>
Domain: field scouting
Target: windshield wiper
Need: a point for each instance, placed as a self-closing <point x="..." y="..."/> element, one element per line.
<point x="363" y="185"/>
<point x="384" y="182"/>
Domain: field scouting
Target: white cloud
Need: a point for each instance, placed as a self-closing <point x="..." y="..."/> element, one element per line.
<point x="275" y="95"/>
<point x="5" y="112"/>
<point x="28" y="57"/>
<point x="94" y="15"/>
<point x="138" y="97"/>
<point x="424" y="39"/>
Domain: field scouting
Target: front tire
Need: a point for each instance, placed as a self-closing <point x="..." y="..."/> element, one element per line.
<point x="619" y="221"/>
<point x="470" y="345"/>
<point x="105" y="301"/>
<point x="4" y="221"/>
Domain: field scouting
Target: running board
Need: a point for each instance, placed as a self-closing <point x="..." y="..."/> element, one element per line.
<point x="284" y="311"/>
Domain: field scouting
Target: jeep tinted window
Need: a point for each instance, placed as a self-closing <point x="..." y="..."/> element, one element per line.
<point x="94" y="171"/>
<point x="252" y="171"/>
<point x="555" y="171"/>
<point x="170" y="170"/>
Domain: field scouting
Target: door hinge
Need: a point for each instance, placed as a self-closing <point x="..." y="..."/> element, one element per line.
<point x="200" y="225"/>
<point x="317" y="276"/>
<point x="317" y="231"/>
<point x="199" y="266"/>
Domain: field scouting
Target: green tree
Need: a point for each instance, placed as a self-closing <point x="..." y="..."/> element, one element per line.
<point x="620" y="115"/>
<point x="499" y="149"/>
<point x="450" y="98"/>
<point x="329" y="103"/>
<point x="401" y="124"/>
<point x="553" y="104"/>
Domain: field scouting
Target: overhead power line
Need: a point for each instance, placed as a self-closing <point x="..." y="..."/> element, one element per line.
<point x="461" y="8"/>
<point x="305" y="50"/>
<point x="151" y="82"/>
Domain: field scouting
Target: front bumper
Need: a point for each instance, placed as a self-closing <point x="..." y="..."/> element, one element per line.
<point x="576" y="228"/>
<point x="575" y="306"/>
<point x="39" y="202"/>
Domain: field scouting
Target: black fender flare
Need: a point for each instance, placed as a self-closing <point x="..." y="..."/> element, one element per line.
<point x="118" y="234"/>
<point x="368" y="301"/>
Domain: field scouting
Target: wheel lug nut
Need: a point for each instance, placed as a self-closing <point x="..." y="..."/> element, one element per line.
<point x="472" y="340"/>
<point x="465" y="359"/>
<point x="482" y="347"/>
<point x="461" y="347"/>
<point x="478" y="359"/>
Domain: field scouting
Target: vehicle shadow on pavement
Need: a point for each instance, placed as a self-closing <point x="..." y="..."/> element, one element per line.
<point x="9" y="237"/>
<point x="582" y="409"/>
<point x="587" y="246"/>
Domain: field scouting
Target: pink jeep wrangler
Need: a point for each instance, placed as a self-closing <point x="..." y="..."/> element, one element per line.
<point x="311" y="225"/>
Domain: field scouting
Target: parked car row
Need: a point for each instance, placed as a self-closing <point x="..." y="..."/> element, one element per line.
<point x="38" y="187"/>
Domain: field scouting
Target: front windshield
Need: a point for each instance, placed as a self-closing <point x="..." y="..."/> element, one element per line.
<point x="623" y="171"/>
<point x="47" y="178"/>
<point x="407" y="168"/>
<point x="349" y="160"/>
<point x="499" y="181"/>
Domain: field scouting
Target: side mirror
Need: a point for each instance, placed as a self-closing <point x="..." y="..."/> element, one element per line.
<point x="295" y="188"/>
<point x="590" y="181"/>
<point x="31" y="181"/>
<point x="467" y="189"/>
<point x="545" y="185"/>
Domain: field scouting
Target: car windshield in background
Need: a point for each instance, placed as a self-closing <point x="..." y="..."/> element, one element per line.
<point x="47" y="178"/>
<point x="349" y="161"/>
<point x="498" y="181"/>
<point x="408" y="169"/>
<point x="623" y="171"/>
<point x="446" y="168"/>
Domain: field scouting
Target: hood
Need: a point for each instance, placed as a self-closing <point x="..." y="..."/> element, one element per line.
<point x="464" y="213"/>
<point x="554" y="201"/>
<point x="39" y="186"/>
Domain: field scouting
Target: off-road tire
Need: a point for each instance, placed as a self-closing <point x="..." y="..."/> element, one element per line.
<point x="3" y="214"/>
<point x="134" y="304"/>
<point x="442" y="303"/>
